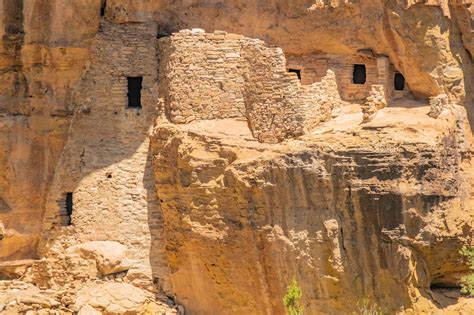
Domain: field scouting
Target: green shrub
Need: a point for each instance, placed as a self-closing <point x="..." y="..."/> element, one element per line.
<point x="467" y="282"/>
<point x="292" y="299"/>
<point x="365" y="307"/>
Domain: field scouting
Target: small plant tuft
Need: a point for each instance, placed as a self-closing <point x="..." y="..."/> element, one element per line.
<point x="292" y="299"/>
<point x="467" y="282"/>
<point x="365" y="307"/>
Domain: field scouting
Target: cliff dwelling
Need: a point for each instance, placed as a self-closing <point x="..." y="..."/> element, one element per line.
<point x="204" y="157"/>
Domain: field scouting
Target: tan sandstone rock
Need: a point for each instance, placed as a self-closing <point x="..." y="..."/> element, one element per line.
<point x="88" y="310"/>
<point x="206" y="153"/>
<point x="336" y="212"/>
<point x="112" y="298"/>
<point x="110" y="257"/>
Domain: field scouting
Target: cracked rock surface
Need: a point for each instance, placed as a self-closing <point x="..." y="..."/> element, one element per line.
<point x="351" y="211"/>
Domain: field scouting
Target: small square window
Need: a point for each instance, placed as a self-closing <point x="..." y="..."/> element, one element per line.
<point x="297" y="71"/>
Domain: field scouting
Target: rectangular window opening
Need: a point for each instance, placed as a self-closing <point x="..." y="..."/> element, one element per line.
<point x="359" y="75"/>
<point x="103" y="4"/>
<point x="297" y="71"/>
<point x="134" y="92"/>
<point x="399" y="81"/>
<point x="69" y="207"/>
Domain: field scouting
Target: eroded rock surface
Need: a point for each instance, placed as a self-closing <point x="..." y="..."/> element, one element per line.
<point x="93" y="298"/>
<point x="266" y="140"/>
<point x="110" y="257"/>
<point x="353" y="211"/>
<point x="89" y="278"/>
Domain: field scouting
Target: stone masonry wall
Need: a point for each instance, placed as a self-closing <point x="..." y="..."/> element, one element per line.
<point x="270" y="93"/>
<point x="278" y="107"/>
<point x="201" y="75"/>
<point x="318" y="100"/>
<point x="314" y="67"/>
<point x="106" y="162"/>
<point x="219" y="75"/>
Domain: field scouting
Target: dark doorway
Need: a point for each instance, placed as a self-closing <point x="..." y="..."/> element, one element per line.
<point x="359" y="75"/>
<point x="399" y="81"/>
<point x="298" y="72"/>
<point x="164" y="31"/>
<point x="134" y="92"/>
<point x="69" y="206"/>
<point x="162" y="34"/>
<point x="103" y="4"/>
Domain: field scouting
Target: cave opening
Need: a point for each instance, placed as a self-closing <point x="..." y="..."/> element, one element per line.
<point x="134" y="92"/>
<point x="359" y="75"/>
<point x="399" y="81"/>
<point x="297" y="71"/>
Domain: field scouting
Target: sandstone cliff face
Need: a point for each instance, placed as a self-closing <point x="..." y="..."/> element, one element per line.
<point x="43" y="50"/>
<point x="352" y="214"/>
<point x="423" y="38"/>
<point x="208" y="214"/>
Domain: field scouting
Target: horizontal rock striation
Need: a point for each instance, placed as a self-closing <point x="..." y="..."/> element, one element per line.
<point x="350" y="217"/>
<point x="208" y="152"/>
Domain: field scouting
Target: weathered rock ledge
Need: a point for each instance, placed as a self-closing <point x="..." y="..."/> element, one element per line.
<point x="374" y="211"/>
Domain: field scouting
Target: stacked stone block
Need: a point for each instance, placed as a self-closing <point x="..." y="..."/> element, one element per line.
<point x="201" y="75"/>
<point x="319" y="99"/>
<point x="315" y="66"/>
<point x="206" y="76"/>
<point x="438" y="104"/>
<point x="277" y="106"/>
<point x="375" y="102"/>
<point x="106" y="162"/>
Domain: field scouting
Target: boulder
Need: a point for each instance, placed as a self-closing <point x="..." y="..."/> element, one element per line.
<point x="110" y="257"/>
<point x="88" y="310"/>
<point x="112" y="298"/>
<point x="14" y="269"/>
